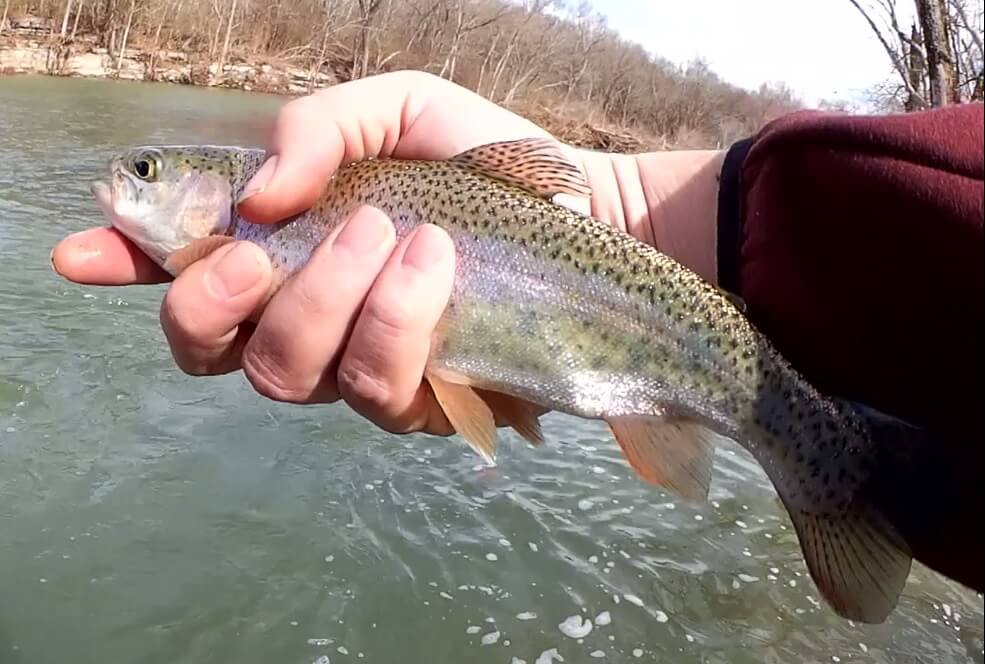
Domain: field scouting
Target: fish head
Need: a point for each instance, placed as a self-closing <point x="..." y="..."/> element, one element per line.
<point x="165" y="198"/>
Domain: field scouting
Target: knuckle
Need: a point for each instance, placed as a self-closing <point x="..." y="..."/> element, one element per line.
<point x="362" y="388"/>
<point x="309" y="292"/>
<point x="178" y="321"/>
<point x="391" y="314"/>
<point x="269" y="378"/>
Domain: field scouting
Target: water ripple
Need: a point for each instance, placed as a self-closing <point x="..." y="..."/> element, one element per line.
<point x="149" y="516"/>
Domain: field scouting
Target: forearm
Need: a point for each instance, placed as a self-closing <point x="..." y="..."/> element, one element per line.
<point x="667" y="199"/>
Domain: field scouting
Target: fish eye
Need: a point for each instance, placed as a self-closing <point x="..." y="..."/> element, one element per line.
<point x="146" y="167"/>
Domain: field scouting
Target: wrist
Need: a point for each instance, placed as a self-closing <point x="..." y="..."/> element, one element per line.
<point x="667" y="199"/>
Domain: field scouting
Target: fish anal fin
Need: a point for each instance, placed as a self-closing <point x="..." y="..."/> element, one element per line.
<point x="520" y="415"/>
<point x="675" y="454"/>
<point x="467" y="413"/>
<point x="859" y="564"/>
<point x="535" y="164"/>
<point x="195" y="250"/>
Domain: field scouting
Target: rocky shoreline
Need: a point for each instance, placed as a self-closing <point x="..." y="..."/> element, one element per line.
<point x="81" y="58"/>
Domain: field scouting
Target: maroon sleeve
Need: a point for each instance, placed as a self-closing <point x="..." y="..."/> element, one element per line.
<point x="857" y="244"/>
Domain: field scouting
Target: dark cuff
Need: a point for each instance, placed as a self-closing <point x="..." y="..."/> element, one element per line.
<point x="730" y="216"/>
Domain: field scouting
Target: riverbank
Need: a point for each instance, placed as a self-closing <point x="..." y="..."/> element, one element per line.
<point x="27" y="54"/>
<point x="35" y="52"/>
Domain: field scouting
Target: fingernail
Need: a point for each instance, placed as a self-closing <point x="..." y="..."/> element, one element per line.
<point x="364" y="232"/>
<point x="258" y="183"/>
<point x="426" y="249"/>
<point x="235" y="273"/>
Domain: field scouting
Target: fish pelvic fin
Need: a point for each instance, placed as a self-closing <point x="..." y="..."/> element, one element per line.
<point x="470" y="416"/>
<point x="535" y="164"/>
<point x="521" y="416"/>
<point x="673" y="453"/>
<point x="858" y="558"/>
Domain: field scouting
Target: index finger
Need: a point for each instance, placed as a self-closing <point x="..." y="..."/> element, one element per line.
<point x="104" y="257"/>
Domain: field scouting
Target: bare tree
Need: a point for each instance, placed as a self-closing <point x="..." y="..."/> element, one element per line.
<point x="938" y="58"/>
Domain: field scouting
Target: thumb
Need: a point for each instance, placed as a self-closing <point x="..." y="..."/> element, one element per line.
<point x="297" y="170"/>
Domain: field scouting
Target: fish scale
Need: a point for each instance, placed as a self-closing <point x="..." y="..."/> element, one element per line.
<point x="551" y="309"/>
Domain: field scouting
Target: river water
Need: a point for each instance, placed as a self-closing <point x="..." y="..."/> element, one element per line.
<point x="148" y="516"/>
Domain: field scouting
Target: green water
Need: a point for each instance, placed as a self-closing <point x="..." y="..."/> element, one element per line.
<point x="147" y="516"/>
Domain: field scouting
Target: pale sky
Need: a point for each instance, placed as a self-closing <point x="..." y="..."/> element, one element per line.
<point x="819" y="48"/>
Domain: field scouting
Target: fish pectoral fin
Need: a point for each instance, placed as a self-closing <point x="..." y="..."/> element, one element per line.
<point x="535" y="164"/>
<point x="468" y="413"/>
<point x="521" y="416"/>
<point x="672" y="453"/>
<point x="856" y="559"/>
<point x="196" y="250"/>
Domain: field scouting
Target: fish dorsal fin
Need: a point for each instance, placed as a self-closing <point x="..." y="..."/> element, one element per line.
<point x="857" y="561"/>
<point x="535" y="164"/>
<point x="672" y="453"/>
<point x="520" y="415"/>
<point x="467" y="412"/>
<point x="196" y="250"/>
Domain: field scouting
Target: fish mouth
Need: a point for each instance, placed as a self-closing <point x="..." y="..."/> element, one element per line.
<point x="103" y="195"/>
<point x="108" y="194"/>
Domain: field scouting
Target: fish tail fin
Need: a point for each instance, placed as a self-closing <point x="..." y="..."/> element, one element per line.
<point x="858" y="558"/>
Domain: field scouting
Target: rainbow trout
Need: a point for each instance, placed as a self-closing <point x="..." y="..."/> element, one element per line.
<point x="552" y="309"/>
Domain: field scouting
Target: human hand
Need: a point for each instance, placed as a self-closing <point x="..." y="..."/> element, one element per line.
<point x="368" y="342"/>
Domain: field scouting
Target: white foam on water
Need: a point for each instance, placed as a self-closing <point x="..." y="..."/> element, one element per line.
<point x="661" y="617"/>
<point x="532" y="546"/>
<point x="490" y="638"/>
<point x="320" y="642"/>
<point x="637" y="652"/>
<point x="322" y="660"/>
<point x="442" y="489"/>
<point x="597" y="654"/>
<point x="633" y="599"/>
<point x="526" y="615"/>
<point x="604" y="618"/>
<point x="343" y="650"/>
<point x="473" y="629"/>
<point x="329" y="559"/>
<point x="575" y="627"/>
<point x="549" y="656"/>
<point x="593" y="559"/>
<point x="517" y="660"/>
<point x="585" y="504"/>
<point x="505" y="542"/>
<point x="492" y="557"/>
<point x="445" y="595"/>
<point x="740" y="523"/>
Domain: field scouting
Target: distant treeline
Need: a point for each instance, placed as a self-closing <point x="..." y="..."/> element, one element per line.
<point x="540" y="57"/>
